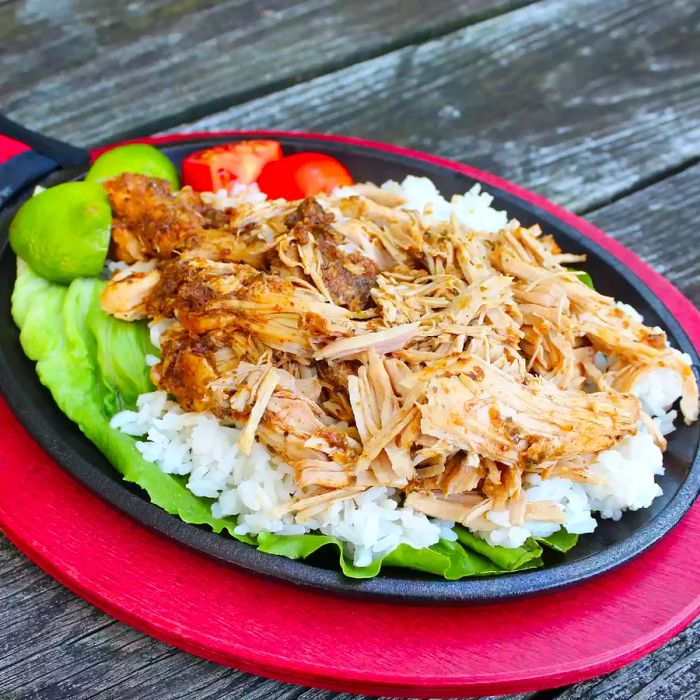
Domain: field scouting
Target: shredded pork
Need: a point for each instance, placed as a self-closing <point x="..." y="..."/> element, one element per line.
<point x="366" y="347"/>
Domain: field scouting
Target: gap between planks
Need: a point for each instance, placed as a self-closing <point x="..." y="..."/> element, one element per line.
<point x="230" y="100"/>
<point x="642" y="184"/>
<point x="599" y="132"/>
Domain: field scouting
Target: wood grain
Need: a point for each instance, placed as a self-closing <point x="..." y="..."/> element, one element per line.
<point x="71" y="500"/>
<point x="256" y="624"/>
<point x="109" y="69"/>
<point x="576" y="99"/>
<point x="660" y="224"/>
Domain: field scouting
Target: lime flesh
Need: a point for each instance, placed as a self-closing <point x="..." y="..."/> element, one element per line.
<point x="63" y="233"/>
<point x="133" y="158"/>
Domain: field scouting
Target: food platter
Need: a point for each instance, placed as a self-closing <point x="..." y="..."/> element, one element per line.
<point x="220" y="612"/>
<point x="613" y="544"/>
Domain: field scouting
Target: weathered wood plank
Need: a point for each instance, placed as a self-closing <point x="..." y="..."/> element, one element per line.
<point x="659" y="223"/>
<point x="54" y="645"/>
<point x="89" y="70"/>
<point x="577" y="99"/>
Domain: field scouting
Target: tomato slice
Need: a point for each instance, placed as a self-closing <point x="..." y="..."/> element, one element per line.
<point x="302" y="175"/>
<point x="219" y="167"/>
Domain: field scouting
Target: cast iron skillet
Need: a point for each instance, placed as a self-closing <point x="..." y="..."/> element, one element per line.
<point x="612" y="544"/>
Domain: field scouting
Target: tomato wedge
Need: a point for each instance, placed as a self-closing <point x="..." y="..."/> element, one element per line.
<point x="219" y="167"/>
<point x="302" y="175"/>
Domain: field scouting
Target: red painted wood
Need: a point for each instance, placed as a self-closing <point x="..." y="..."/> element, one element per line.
<point x="9" y="148"/>
<point x="296" y="635"/>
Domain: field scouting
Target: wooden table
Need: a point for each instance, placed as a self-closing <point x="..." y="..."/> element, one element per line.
<point x="593" y="103"/>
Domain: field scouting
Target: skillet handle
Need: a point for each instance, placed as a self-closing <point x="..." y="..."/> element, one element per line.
<point x="26" y="157"/>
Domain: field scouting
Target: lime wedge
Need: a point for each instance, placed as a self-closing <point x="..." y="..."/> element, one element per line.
<point x="63" y="233"/>
<point x="133" y="158"/>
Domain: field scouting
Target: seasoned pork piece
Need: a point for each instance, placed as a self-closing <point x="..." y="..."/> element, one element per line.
<point x="285" y="313"/>
<point x="187" y="368"/>
<point x="125" y="296"/>
<point x="336" y="374"/>
<point x="150" y="221"/>
<point x="478" y="408"/>
<point x="267" y="402"/>
<point x="346" y="278"/>
<point x="573" y="311"/>
<point x="387" y="427"/>
<point x="399" y="232"/>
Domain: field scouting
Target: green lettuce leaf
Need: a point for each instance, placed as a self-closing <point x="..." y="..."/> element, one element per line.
<point x="404" y="556"/>
<point x="447" y="559"/>
<point x="55" y="323"/>
<point x="560" y="541"/>
<point x="451" y="560"/>
<point x="465" y="562"/>
<point x="94" y="366"/>
<point x="120" y="350"/>
<point x="505" y="559"/>
<point x="585" y="278"/>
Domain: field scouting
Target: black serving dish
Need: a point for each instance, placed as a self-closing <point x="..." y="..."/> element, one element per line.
<point x="612" y="544"/>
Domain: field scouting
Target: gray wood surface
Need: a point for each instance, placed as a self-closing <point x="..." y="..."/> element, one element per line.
<point x="106" y="69"/>
<point x="580" y="100"/>
<point x="660" y="224"/>
<point x="594" y="103"/>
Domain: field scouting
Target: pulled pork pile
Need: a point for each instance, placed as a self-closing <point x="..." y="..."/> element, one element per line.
<point x="367" y="347"/>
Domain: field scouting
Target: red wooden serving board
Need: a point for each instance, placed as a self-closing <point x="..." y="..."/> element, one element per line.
<point x="276" y="630"/>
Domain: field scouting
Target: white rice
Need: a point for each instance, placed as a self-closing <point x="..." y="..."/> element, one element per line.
<point x="472" y="209"/>
<point x="626" y="475"/>
<point x="234" y="196"/>
<point x="656" y="390"/>
<point x="252" y="488"/>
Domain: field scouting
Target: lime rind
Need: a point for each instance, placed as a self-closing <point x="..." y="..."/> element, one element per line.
<point x="137" y="158"/>
<point x="64" y="232"/>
